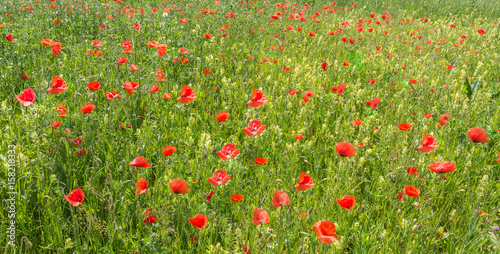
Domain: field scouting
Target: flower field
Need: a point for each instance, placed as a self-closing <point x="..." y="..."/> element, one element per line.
<point x="250" y="126"/>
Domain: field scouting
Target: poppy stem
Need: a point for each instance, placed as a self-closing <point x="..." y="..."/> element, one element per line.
<point x="75" y="228"/>
<point x="280" y="237"/>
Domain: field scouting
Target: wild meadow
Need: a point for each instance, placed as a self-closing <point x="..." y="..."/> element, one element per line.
<point x="250" y="126"/>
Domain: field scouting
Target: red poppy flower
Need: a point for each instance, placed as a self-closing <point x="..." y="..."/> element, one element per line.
<point x="347" y="202"/>
<point x="87" y="108"/>
<point x="412" y="191"/>
<point x="121" y="60"/>
<point x="179" y="186"/>
<point x="442" y="119"/>
<point x="162" y="51"/>
<point x="152" y="44"/>
<point x="325" y="231"/>
<point x="374" y="103"/>
<point x="94" y="85"/>
<point x="96" y="43"/>
<point x="136" y="26"/>
<point x="24" y="76"/>
<point x="130" y="87"/>
<point x="127" y="47"/>
<point x="222" y="116"/>
<point x="345" y="149"/>
<point x="167" y="96"/>
<point x="346" y="63"/>
<point x="260" y="216"/>
<point x="76" y="197"/>
<point x="210" y="195"/>
<point x="191" y="240"/>
<point x="57" y="86"/>
<point x="9" y="37"/>
<point x="357" y="122"/>
<point x="305" y="182"/>
<point x="149" y="217"/>
<point x="324" y="66"/>
<point x="81" y="152"/>
<point x="404" y="126"/>
<point x="187" y="94"/>
<point x="220" y="177"/>
<point x="160" y="75"/>
<point x="184" y="51"/>
<point x="412" y="171"/>
<point x="46" y="42"/>
<point x="478" y="135"/>
<point x="307" y="95"/>
<point x="292" y="92"/>
<point x="449" y="67"/>
<point x="280" y="198"/>
<point x="257" y="99"/>
<point x="141" y="186"/>
<point x="149" y="220"/>
<point x="77" y="141"/>
<point x="427" y="115"/>
<point x="429" y="143"/>
<point x="260" y="161"/>
<point x="312" y="33"/>
<point x="228" y="151"/>
<point x="236" y="197"/>
<point x="498" y="157"/>
<point x="298" y="136"/>
<point x="481" y="31"/>
<point x="154" y="89"/>
<point x="401" y="196"/>
<point x="27" y="97"/>
<point x="55" y="44"/>
<point x="134" y="67"/>
<point x="442" y="167"/>
<point x="113" y="95"/>
<point x="55" y="124"/>
<point x="208" y="36"/>
<point x="169" y="150"/>
<point x="55" y="50"/>
<point x="140" y="162"/>
<point x="246" y="249"/>
<point x="255" y="127"/>
<point x="339" y="89"/>
<point x="199" y="221"/>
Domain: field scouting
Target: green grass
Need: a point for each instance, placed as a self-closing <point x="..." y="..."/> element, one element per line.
<point x="110" y="220"/>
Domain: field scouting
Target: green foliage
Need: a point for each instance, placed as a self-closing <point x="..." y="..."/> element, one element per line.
<point x="49" y="165"/>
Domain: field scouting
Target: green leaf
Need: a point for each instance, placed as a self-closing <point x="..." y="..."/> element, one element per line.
<point x="468" y="88"/>
<point x="475" y="86"/>
<point x="471" y="89"/>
